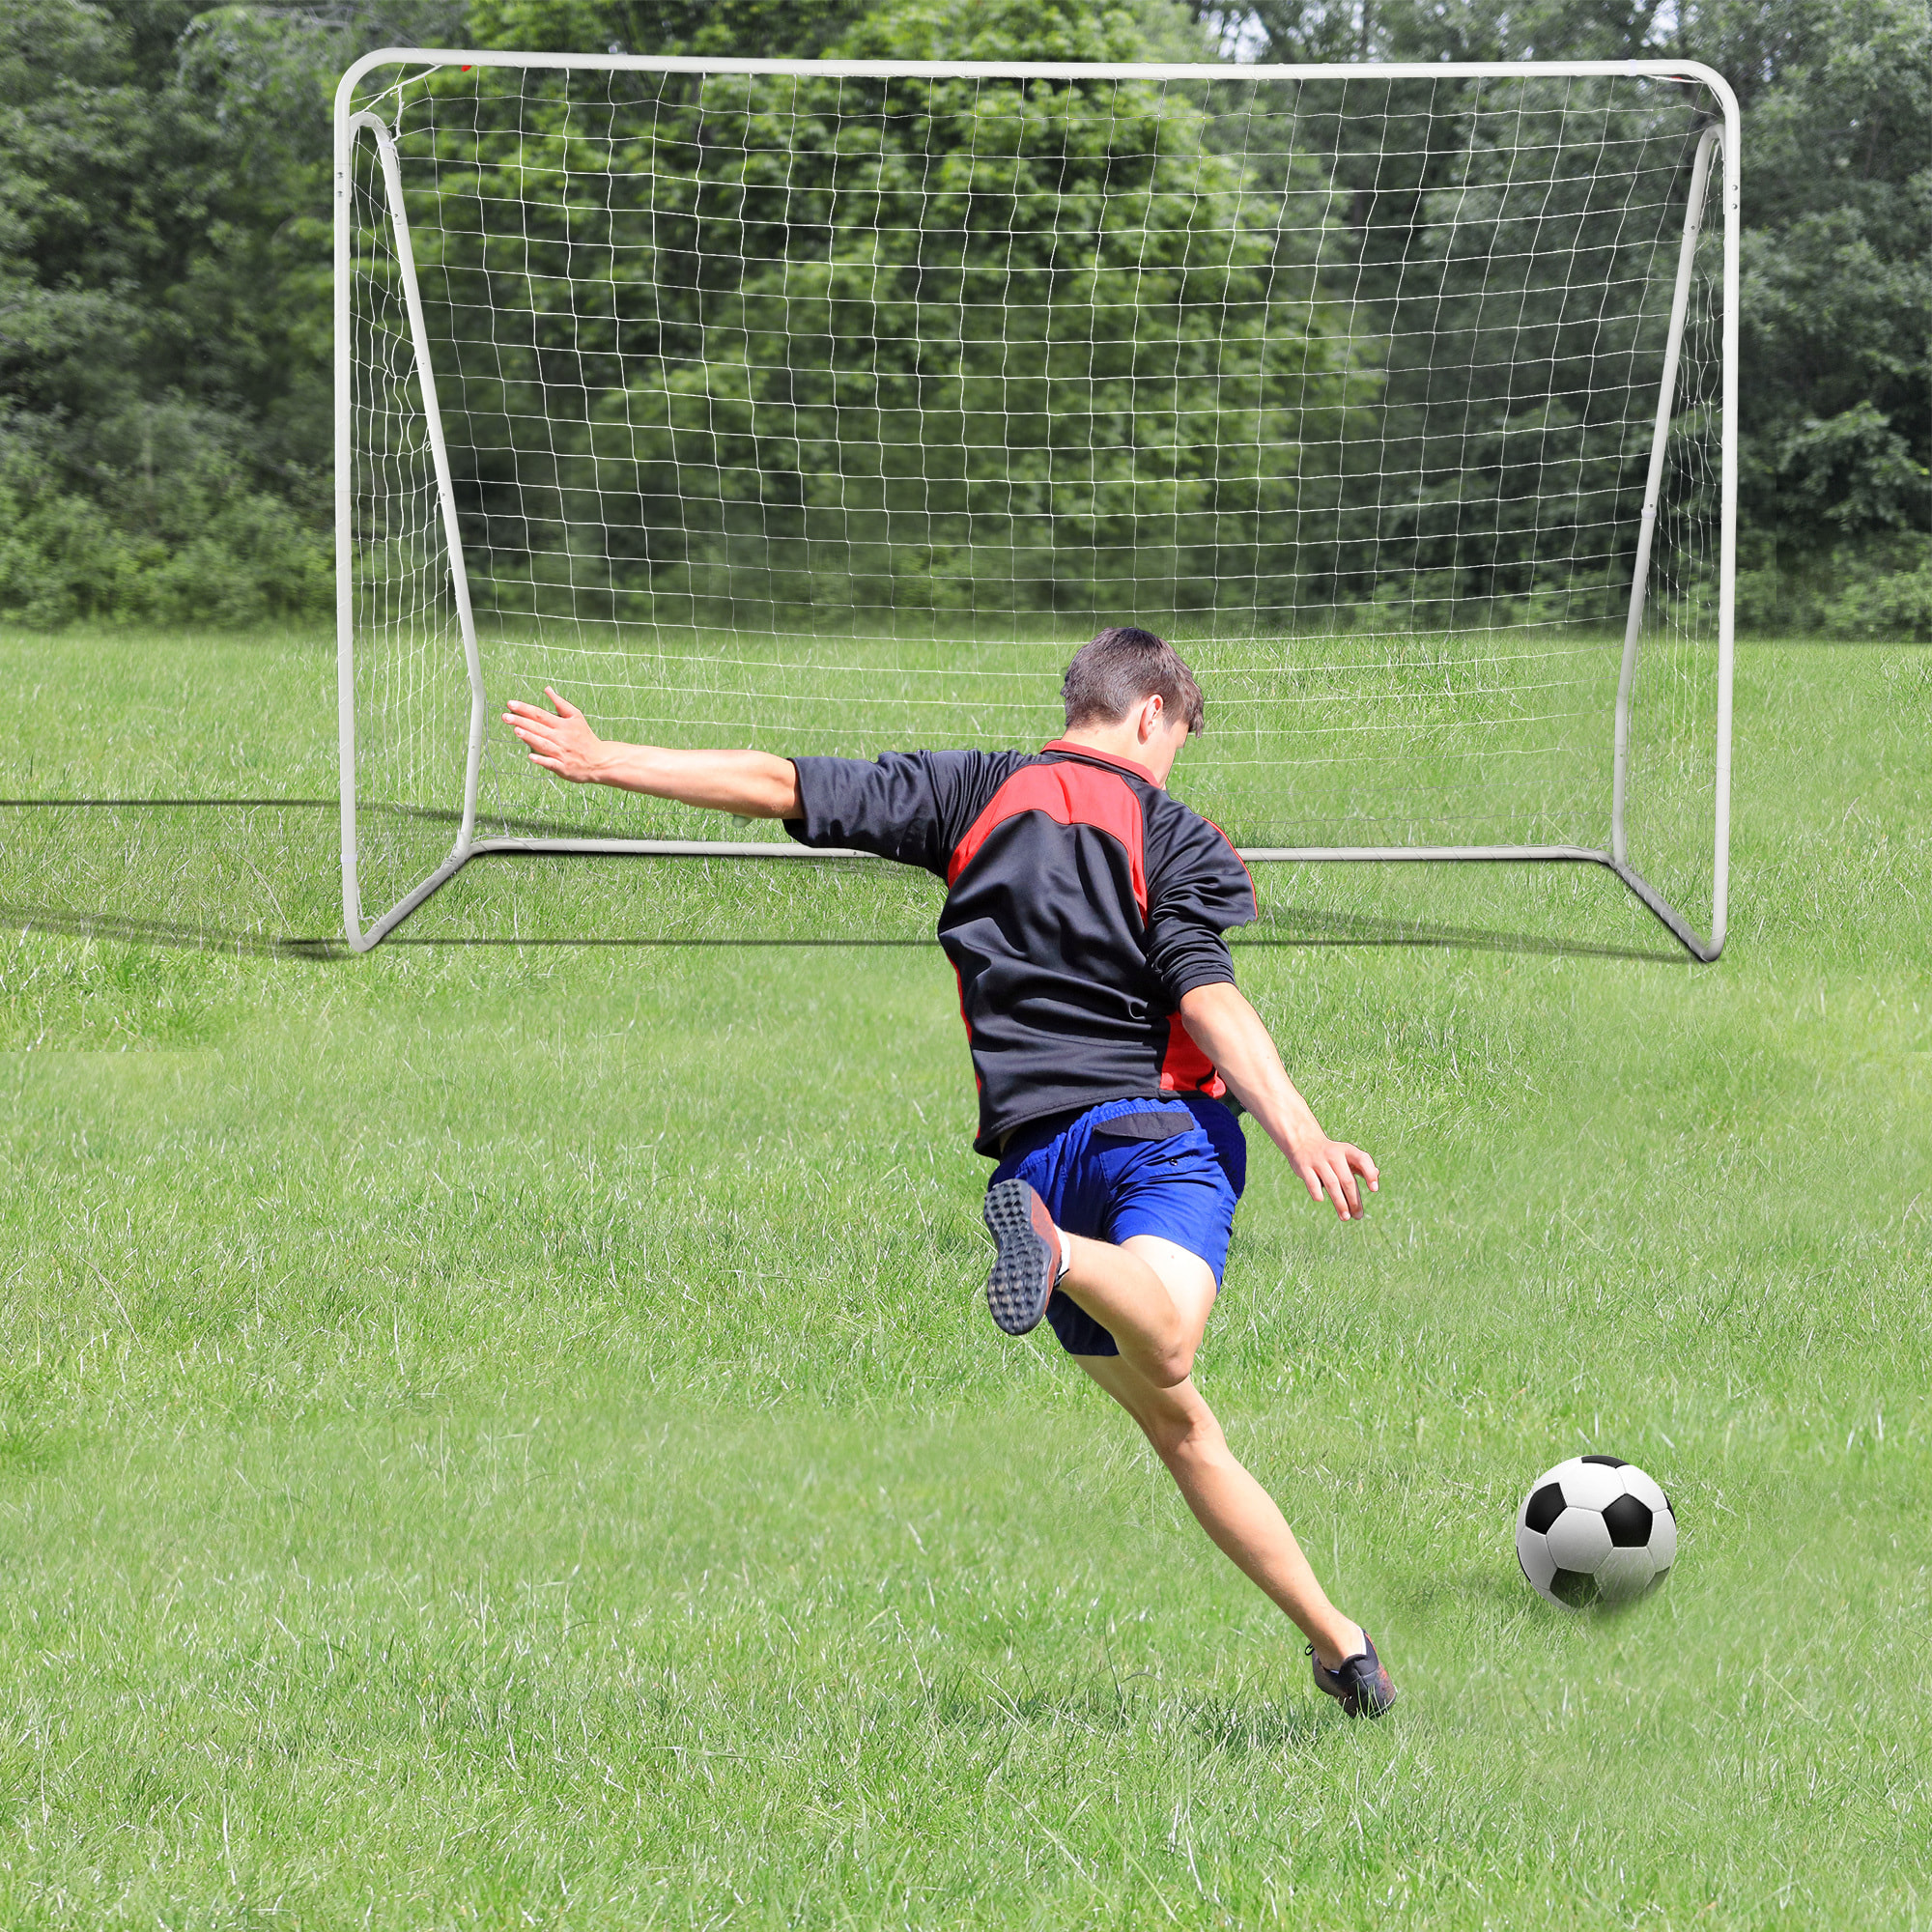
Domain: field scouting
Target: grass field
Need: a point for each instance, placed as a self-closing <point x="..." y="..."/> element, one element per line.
<point x="505" y="1434"/>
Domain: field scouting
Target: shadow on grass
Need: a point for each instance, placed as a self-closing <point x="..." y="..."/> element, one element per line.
<point x="425" y="814"/>
<point x="181" y="872"/>
<point x="135" y="931"/>
<point x="1346" y="928"/>
<point x="216" y="927"/>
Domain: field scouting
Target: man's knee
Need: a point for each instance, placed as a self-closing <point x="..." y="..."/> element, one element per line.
<point x="1182" y="1432"/>
<point x="1171" y="1365"/>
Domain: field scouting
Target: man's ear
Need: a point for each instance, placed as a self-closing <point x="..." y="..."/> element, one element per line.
<point x="1149" y="719"/>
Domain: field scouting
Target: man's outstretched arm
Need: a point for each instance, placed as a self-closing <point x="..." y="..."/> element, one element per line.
<point x="1231" y="1034"/>
<point x="753" y="784"/>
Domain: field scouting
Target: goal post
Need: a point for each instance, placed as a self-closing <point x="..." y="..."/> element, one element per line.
<point x="830" y="404"/>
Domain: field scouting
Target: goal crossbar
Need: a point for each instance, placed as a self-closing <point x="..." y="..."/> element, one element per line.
<point x="1717" y="145"/>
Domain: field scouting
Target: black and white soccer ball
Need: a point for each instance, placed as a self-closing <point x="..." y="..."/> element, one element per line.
<point x="1595" y="1530"/>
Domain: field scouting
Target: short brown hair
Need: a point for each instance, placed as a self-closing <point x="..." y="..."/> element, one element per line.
<point x="1122" y="667"/>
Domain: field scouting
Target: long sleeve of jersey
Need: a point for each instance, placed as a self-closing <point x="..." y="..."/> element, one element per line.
<point x="911" y="806"/>
<point x="1198" y="887"/>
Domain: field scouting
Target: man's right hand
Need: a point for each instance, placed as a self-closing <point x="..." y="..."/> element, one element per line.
<point x="560" y="742"/>
<point x="751" y="785"/>
<point x="1329" y="1168"/>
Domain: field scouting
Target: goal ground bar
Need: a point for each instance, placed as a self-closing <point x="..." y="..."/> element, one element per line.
<point x="1668" y="914"/>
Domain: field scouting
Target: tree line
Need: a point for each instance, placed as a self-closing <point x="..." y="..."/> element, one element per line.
<point x="735" y="347"/>
<point x="166" y="317"/>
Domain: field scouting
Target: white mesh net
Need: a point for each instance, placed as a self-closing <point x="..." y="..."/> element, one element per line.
<point x="831" y="413"/>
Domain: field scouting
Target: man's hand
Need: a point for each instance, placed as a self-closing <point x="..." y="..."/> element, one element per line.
<point x="752" y="784"/>
<point x="563" y="743"/>
<point x="1229" y="1031"/>
<point x="1329" y="1168"/>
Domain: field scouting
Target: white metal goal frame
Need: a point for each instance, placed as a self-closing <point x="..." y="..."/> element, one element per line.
<point x="1718" y="147"/>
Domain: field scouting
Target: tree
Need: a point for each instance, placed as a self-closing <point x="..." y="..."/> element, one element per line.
<point x="1837" y="286"/>
<point x="164" y="314"/>
<point x="797" y="28"/>
<point x="925" y="345"/>
<point x="1836" y="412"/>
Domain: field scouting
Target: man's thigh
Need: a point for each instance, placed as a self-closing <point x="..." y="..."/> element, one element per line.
<point x="1165" y="1413"/>
<point x="1186" y="1277"/>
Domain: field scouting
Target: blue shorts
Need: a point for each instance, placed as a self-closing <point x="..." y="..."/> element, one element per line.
<point x="1172" y="1167"/>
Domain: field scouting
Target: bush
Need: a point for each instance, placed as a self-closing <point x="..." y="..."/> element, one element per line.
<point x="1879" y="589"/>
<point x="219" y="552"/>
<point x="1890" y="597"/>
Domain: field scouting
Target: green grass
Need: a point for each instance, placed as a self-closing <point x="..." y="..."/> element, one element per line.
<point x="504" y="1435"/>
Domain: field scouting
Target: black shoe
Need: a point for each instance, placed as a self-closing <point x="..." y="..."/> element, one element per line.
<point x="1021" y="1283"/>
<point x="1361" y="1686"/>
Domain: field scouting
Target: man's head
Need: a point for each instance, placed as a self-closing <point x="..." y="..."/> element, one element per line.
<point x="1129" y="694"/>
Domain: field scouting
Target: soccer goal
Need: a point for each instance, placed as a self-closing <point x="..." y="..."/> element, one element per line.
<point x="828" y="406"/>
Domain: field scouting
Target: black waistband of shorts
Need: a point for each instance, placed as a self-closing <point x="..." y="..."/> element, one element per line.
<point x="1027" y="1135"/>
<point x="1038" y="1131"/>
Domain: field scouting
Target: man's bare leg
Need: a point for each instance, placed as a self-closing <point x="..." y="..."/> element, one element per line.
<point x="1241" y="1515"/>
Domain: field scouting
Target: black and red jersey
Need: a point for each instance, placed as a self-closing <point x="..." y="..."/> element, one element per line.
<point x="1083" y="902"/>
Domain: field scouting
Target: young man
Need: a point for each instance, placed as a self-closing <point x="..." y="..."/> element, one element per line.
<point x="1084" y="918"/>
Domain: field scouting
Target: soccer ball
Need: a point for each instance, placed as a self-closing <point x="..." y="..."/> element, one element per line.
<point x="1595" y="1530"/>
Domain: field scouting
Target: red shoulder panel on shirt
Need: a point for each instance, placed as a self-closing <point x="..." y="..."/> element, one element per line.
<point x="1069" y="794"/>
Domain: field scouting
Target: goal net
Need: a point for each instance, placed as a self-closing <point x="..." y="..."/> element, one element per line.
<point x="828" y="406"/>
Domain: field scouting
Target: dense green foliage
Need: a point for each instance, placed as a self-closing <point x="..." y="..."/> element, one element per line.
<point x="164" y="273"/>
<point x="1835" y="387"/>
<point x="937" y="345"/>
<point x="164" y="312"/>
<point x="989" y="346"/>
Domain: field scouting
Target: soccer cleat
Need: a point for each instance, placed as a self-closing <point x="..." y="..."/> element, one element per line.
<point x="1361" y="1686"/>
<point x="1027" y="1262"/>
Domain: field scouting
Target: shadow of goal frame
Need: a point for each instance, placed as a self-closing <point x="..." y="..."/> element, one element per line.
<point x="1713" y="175"/>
